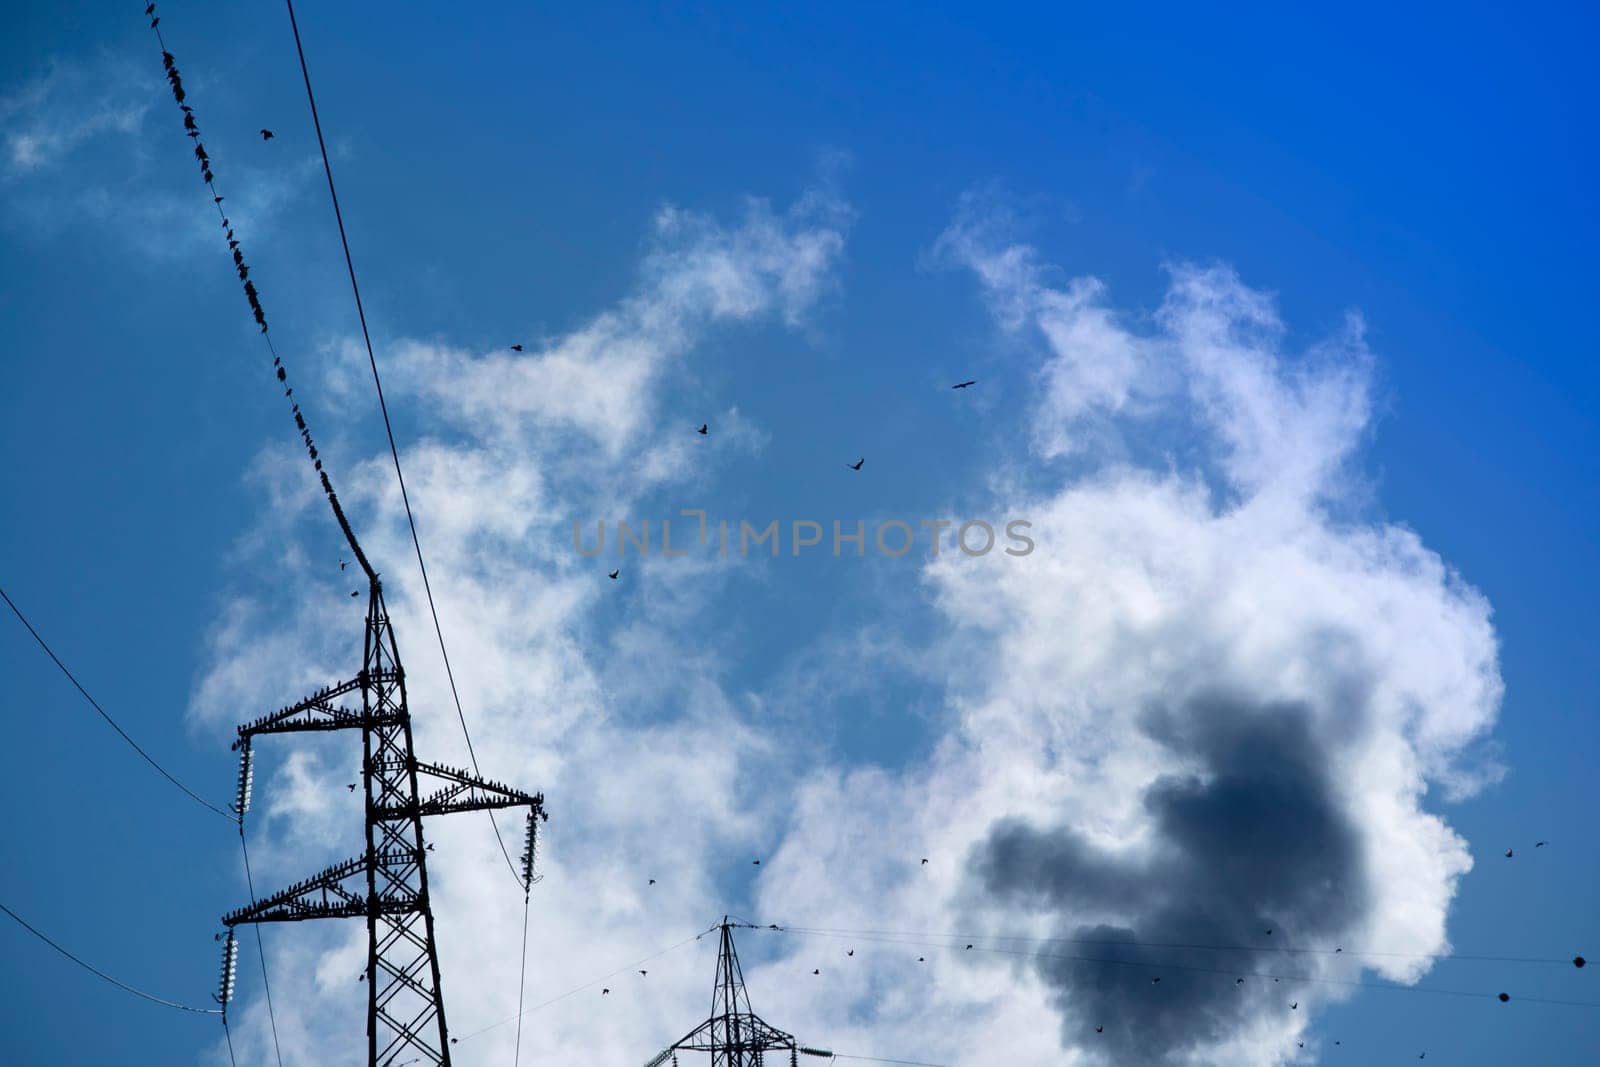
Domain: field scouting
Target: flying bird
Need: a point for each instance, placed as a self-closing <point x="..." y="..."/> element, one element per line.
<point x="857" y="464"/>
<point x="924" y="861"/>
<point x="613" y="574"/>
<point x="266" y="135"/>
<point x="922" y="959"/>
<point x="652" y="881"/>
<point x="1099" y="1029"/>
<point x="964" y="385"/>
<point x="1504" y="997"/>
<point x="1508" y="853"/>
<point x="1269" y="931"/>
<point x="605" y="992"/>
<point x="852" y="952"/>
<point x="516" y="348"/>
<point x="1295" y="1006"/>
<point x="755" y="863"/>
<point x="1578" y="961"/>
<point x="1156" y="980"/>
<point x="705" y="428"/>
<point x="343" y="563"/>
<point x="643" y="973"/>
<point x="1540" y="844"/>
<point x="969" y="947"/>
<point x="816" y="970"/>
<point x="351" y="786"/>
<point x="355" y="592"/>
<point x="1238" y="981"/>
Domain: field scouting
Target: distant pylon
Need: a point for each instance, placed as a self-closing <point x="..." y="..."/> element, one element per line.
<point x="734" y="1035"/>
<point x="388" y="883"/>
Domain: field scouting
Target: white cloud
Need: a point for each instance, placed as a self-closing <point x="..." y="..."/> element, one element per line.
<point x="1202" y="708"/>
<point x="644" y="781"/>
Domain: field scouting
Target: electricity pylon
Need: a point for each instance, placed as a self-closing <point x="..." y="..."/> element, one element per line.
<point x="405" y="1007"/>
<point x="734" y="1035"/>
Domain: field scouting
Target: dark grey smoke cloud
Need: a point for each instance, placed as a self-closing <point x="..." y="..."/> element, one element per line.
<point x="1255" y="838"/>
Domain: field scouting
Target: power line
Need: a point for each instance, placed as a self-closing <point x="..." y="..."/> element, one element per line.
<point x="587" y="985"/>
<point x="92" y="969"/>
<point x="1132" y="943"/>
<point x="261" y="951"/>
<point x="1191" y="968"/>
<point x="106" y="715"/>
<point x="394" y="451"/>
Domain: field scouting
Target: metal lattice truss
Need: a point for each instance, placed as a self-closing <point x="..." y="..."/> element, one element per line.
<point x="388" y="883"/>
<point x="734" y="1034"/>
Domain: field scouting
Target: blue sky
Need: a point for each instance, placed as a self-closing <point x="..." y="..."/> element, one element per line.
<point x="504" y="173"/>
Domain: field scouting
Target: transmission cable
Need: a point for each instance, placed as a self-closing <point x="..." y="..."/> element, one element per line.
<point x="106" y="715"/>
<point x="261" y="951"/>
<point x="1192" y="968"/>
<point x="394" y="451"/>
<point x="92" y="969"/>
<point x="589" y="984"/>
<point x="1133" y="943"/>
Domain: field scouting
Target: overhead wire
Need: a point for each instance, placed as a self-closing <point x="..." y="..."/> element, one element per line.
<point x="92" y="969"/>
<point x="1206" y="947"/>
<point x="1157" y="965"/>
<point x="95" y="704"/>
<point x="191" y="126"/>
<point x="589" y="984"/>
<point x="383" y="407"/>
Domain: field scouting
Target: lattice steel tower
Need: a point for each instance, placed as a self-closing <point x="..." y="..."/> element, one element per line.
<point x="734" y="1035"/>
<point x="388" y="883"/>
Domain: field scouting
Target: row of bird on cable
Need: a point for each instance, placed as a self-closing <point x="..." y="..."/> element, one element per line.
<point x="192" y="128"/>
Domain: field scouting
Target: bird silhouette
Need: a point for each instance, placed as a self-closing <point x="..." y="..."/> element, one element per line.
<point x="1508" y="853"/>
<point x="1238" y="981"/>
<point x="430" y="846"/>
<point x="613" y="575"/>
<point x="643" y="973"/>
<point x="1156" y="980"/>
<point x="605" y="992"/>
<point x="217" y="199"/>
<point x="704" y="429"/>
<point x="1540" y="844"/>
<point x="1295" y="1006"/>
<point x="1504" y="997"/>
<point x="816" y="970"/>
<point x="1578" y="961"/>
<point x="852" y="952"/>
<point x="755" y="863"/>
<point x="355" y="592"/>
<point x="351" y="786"/>
<point x="964" y="385"/>
<point x="343" y="563"/>
<point x="652" y="881"/>
<point x="922" y="959"/>
<point x="151" y="10"/>
<point x="1099" y="1029"/>
<point x="857" y="464"/>
<point x="924" y="860"/>
<point x="516" y="348"/>
<point x="1269" y="931"/>
<point x="266" y="135"/>
<point x="968" y="948"/>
